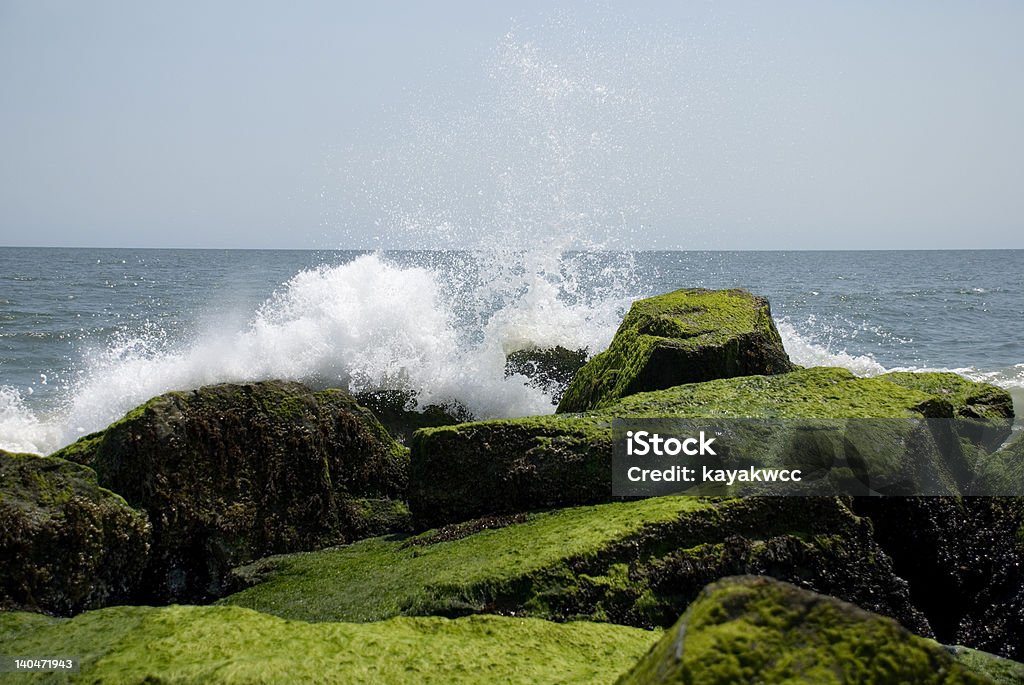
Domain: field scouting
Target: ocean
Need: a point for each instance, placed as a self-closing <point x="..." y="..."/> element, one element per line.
<point x="87" y="334"/>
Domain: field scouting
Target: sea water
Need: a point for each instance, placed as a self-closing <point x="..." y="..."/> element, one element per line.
<point x="529" y="185"/>
<point x="87" y="334"/>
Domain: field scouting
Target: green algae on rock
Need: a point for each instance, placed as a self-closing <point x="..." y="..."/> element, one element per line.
<point x="505" y="466"/>
<point x="635" y="563"/>
<point x="67" y="544"/>
<point x="748" y="629"/>
<point x="461" y="472"/>
<point x="686" y="336"/>
<point x="230" y="473"/>
<point x="190" y="644"/>
<point x="983" y="412"/>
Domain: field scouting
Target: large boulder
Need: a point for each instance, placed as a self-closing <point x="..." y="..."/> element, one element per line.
<point x="505" y="466"/>
<point x="510" y="465"/>
<point x="686" y="336"/>
<point x="636" y="563"/>
<point x="67" y="544"/>
<point x="230" y="473"/>
<point x="758" y="630"/>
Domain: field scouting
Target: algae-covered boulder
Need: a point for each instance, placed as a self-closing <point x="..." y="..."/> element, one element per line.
<point x="505" y="466"/>
<point x="964" y="560"/>
<point x="758" y="630"/>
<point x="204" y="644"/>
<point x="549" y="369"/>
<point x="983" y="412"/>
<point x="470" y="470"/>
<point x="686" y="336"/>
<point x="67" y="544"/>
<point x="230" y="473"/>
<point x="636" y="563"/>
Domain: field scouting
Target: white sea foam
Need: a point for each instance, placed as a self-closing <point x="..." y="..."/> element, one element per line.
<point x="364" y="324"/>
<point x="805" y="351"/>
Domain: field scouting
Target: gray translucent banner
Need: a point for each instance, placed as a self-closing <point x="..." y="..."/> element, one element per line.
<point x="798" y="457"/>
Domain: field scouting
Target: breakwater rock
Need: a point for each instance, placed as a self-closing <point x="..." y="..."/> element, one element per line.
<point x="230" y="473"/>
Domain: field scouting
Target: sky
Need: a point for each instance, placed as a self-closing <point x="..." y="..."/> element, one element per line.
<point x="738" y="125"/>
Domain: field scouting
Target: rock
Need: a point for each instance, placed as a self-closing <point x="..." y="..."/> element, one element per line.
<point x="758" y="630"/>
<point x="983" y="412"/>
<point x="687" y="336"/>
<point x="230" y="473"/>
<point x="470" y="470"/>
<point x="216" y="644"/>
<point x="635" y="563"/>
<point x="997" y="669"/>
<point x="398" y="413"/>
<point x="1002" y="472"/>
<point x="549" y="369"/>
<point x="67" y="544"/>
<point x="964" y="560"/>
<point x="505" y="466"/>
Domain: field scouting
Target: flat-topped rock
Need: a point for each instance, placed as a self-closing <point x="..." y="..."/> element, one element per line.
<point x="758" y="630"/>
<point x="686" y="336"/>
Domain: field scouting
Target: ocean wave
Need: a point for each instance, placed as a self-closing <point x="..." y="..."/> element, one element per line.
<point x="364" y="324"/>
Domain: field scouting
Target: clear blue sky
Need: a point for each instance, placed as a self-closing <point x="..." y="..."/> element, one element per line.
<point x="334" y="124"/>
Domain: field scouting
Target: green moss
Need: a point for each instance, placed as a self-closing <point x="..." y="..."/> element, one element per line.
<point x="997" y="669"/>
<point x="384" y="577"/>
<point x="749" y="629"/>
<point x="969" y="398"/>
<point x="67" y="544"/>
<point x="505" y="466"/>
<point x="635" y="563"/>
<point x="230" y="473"/>
<point x="819" y="392"/>
<point x="187" y="644"/>
<point x="476" y="469"/>
<point x="1002" y="472"/>
<point x="681" y="337"/>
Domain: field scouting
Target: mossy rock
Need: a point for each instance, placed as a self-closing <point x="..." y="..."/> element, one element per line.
<point x="997" y="669"/>
<point x="67" y="544"/>
<point x="964" y="560"/>
<point x="686" y="336"/>
<point x="983" y="412"/>
<point x="634" y="563"/>
<point x="549" y="369"/>
<point x="400" y="415"/>
<point x="512" y="465"/>
<point x="462" y="472"/>
<point x="191" y="644"/>
<point x="758" y="630"/>
<point x="1002" y="471"/>
<point x="814" y="393"/>
<point x="230" y="473"/>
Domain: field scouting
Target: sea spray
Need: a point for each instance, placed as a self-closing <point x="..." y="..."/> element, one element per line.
<point x="366" y="324"/>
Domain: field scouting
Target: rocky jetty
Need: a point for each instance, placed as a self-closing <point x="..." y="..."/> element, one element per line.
<point x="496" y="551"/>
<point x="504" y="466"/>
